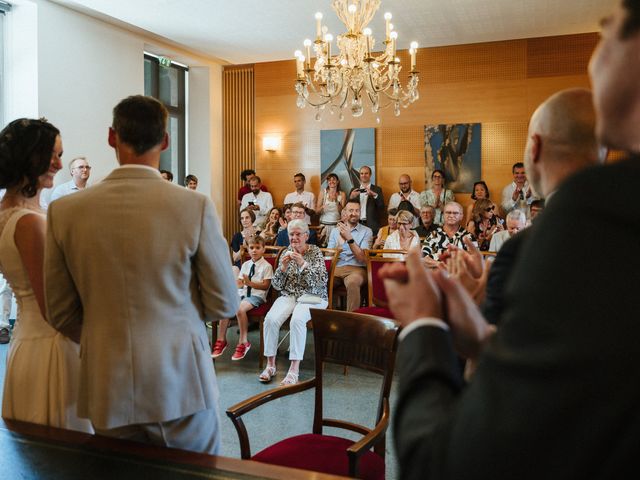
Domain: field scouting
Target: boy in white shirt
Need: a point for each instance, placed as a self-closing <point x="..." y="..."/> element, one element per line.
<point x="253" y="282"/>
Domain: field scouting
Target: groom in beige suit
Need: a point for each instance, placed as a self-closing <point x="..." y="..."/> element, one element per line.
<point x="134" y="266"/>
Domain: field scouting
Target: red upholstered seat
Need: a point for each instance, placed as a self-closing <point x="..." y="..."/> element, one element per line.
<point x="377" y="311"/>
<point x="320" y="453"/>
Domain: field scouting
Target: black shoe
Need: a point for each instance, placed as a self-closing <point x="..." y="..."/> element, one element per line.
<point x="4" y="335"/>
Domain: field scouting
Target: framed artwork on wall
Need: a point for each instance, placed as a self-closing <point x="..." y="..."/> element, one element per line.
<point x="454" y="149"/>
<point x="343" y="152"/>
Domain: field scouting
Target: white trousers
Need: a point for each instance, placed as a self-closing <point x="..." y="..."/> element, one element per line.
<point x="278" y="314"/>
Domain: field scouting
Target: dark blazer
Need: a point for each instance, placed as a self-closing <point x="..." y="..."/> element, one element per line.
<point x="556" y="394"/>
<point x="501" y="270"/>
<point x="375" y="208"/>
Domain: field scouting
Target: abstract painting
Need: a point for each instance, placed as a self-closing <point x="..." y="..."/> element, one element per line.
<point x="343" y="152"/>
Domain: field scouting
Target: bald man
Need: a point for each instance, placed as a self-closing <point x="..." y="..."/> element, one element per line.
<point x="557" y="147"/>
<point x="555" y="394"/>
<point x="406" y="193"/>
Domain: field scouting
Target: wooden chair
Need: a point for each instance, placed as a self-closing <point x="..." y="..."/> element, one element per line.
<point x="342" y="338"/>
<point x="378" y="302"/>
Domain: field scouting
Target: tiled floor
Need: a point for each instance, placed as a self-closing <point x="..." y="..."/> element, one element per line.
<point x="352" y="397"/>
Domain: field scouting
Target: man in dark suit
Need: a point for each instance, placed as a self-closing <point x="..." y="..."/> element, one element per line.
<point x="371" y="200"/>
<point x="555" y="394"/>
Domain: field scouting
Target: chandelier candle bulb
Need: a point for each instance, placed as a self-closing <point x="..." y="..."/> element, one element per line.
<point x="387" y="18"/>
<point x="394" y="36"/>
<point x="413" y="51"/>
<point x="328" y="38"/>
<point x="319" y="24"/>
<point x="367" y="34"/>
<point x="307" y="45"/>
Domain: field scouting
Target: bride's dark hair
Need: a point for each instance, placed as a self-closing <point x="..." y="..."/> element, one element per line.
<point x="26" y="146"/>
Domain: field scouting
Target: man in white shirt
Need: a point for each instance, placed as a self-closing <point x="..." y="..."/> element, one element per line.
<point x="80" y="171"/>
<point x="518" y="193"/>
<point x="406" y="193"/>
<point x="371" y="200"/>
<point x="308" y="199"/>
<point x="516" y="221"/>
<point x="260" y="202"/>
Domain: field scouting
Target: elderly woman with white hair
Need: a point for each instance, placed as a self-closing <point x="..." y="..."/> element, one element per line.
<point x="301" y="277"/>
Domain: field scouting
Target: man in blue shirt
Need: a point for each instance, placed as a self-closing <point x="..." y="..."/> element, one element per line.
<point x="353" y="239"/>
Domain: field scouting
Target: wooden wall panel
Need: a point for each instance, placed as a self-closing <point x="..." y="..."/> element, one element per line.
<point x="498" y="84"/>
<point x="239" y="137"/>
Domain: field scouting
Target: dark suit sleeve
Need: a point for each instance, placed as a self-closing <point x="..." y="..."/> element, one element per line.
<point x="499" y="275"/>
<point x="429" y="384"/>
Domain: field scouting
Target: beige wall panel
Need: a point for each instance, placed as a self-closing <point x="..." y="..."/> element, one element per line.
<point x="473" y="62"/>
<point x="559" y="56"/>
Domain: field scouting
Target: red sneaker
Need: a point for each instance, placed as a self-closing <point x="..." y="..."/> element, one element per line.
<point x="218" y="348"/>
<point x="241" y="351"/>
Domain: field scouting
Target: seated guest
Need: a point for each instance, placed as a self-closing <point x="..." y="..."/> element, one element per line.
<point x="308" y="199"/>
<point x="387" y="230"/>
<point x="403" y="238"/>
<point x="246" y="176"/>
<point x="437" y="196"/>
<point x="254" y="281"/>
<point x="352" y="238"/>
<point x="260" y="202"/>
<point x="330" y="203"/>
<point x="480" y="190"/>
<point x="450" y="233"/>
<point x="536" y="207"/>
<point x="484" y="223"/>
<point x="427" y="215"/>
<point x="285" y="218"/>
<point x="516" y="221"/>
<point x="239" y="239"/>
<point x="298" y="212"/>
<point x="271" y="227"/>
<point x="191" y="182"/>
<point x="301" y="277"/>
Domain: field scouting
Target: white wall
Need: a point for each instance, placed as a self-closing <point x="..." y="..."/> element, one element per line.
<point x="80" y="67"/>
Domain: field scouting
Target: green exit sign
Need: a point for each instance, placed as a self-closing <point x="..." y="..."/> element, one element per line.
<point x="164" y="61"/>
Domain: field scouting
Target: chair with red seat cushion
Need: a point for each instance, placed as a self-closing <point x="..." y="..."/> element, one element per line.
<point x="378" y="302"/>
<point x="342" y="338"/>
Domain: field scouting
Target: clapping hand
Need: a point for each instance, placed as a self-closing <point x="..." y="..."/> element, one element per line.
<point x="411" y="291"/>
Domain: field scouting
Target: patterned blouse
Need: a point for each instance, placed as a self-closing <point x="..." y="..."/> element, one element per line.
<point x="297" y="281"/>
<point x="438" y="241"/>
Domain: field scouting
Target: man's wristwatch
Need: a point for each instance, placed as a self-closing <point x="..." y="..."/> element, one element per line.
<point x="350" y="241"/>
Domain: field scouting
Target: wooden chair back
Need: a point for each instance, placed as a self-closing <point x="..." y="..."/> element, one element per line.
<point x="355" y="340"/>
<point x="330" y="260"/>
<point x="376" y="259"/>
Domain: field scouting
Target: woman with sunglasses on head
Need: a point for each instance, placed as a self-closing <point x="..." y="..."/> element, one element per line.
<point x="484" y="223"/>
<point x="43" y="366"/>
<point x="437" y="196"/>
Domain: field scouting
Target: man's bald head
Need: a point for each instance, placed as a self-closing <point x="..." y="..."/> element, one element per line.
<point x="561" y="139"/>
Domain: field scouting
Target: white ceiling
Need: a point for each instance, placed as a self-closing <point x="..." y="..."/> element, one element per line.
<point x="248" y="31"/>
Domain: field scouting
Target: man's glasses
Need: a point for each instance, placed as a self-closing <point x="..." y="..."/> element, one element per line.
<point x="84" y="167"/>
<point x="455" y="214"/>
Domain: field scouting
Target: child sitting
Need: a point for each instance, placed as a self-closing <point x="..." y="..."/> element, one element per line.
<point x="253" y="281"/>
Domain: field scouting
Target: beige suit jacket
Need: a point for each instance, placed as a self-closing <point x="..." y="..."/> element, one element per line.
<point x="140" y="263"/>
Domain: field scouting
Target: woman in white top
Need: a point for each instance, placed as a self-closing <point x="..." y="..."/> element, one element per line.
<point x="404" y="237"/>
<point x="437" y="196"/>
<point x="330" y="203"/>
<point x="43" y="366"/>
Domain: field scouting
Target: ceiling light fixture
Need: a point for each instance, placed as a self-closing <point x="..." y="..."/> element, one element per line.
<point x="335" y="82"/>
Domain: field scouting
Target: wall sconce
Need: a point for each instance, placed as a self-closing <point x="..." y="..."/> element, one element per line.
<point x="271" y="143"/>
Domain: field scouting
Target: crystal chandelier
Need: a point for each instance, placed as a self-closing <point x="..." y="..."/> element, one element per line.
<point x="356" y="72"/>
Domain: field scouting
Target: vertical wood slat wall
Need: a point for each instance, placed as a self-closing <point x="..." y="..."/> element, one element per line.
<point x="239" y="137"/>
